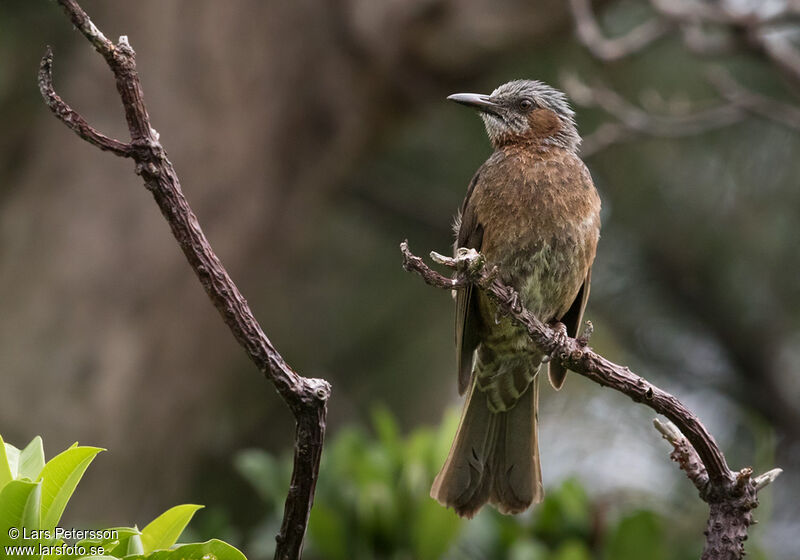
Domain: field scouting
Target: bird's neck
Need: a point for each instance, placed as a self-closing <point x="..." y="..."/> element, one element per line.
<point x="565" y="138"/>
<point x="540" y="146"/>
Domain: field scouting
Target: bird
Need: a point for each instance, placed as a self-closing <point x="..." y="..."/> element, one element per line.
<point x="533" y="212"/>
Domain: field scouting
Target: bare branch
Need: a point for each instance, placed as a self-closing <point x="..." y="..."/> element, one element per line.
<point x="694" y="11"/>
<point x="606" y="49"/>
<point x="784" y="114"/>
<point x="639" y="120"/>
<point x="700" y="41"/>
<point x="759" y="24"/>
<point x="634" y="121"/>
<point x="780" y="49"/>
<point x="307" y="398"/>
<point x="605" y="135"/>
<point x="72" y="119"/>
<point x="730" y="496"/>
<point x="82" y="22"/>
<point x="684" y="454"/>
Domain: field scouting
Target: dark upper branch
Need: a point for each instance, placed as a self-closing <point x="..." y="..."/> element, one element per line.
<point x="607" y="49"/>
<point x="82" y="22"/>
<point x="755" y="29"/>
<point x="306" y="397"/>
<point x="72" y="119"/>
<point x="763" y="106"/>
<point x="632" y="121"/>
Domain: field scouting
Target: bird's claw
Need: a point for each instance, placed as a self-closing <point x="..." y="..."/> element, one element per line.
<point x="469" y="260"/>
<point x="560" y="337"/>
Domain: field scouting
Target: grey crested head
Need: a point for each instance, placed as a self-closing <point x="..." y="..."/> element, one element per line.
<point x="525" y="111"/>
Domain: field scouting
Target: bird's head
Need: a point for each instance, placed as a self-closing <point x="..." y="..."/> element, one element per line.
<point x="525" y="111"/>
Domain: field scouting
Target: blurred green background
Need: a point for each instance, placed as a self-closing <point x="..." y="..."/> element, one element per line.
<point x="311" y="138"/>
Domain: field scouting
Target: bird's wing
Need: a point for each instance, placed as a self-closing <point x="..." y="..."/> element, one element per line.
<point x="572" y="320"/>
<point x="470" y="235"/>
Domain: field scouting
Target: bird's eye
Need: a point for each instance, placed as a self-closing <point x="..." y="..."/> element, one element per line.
<point x="525" y="104"/>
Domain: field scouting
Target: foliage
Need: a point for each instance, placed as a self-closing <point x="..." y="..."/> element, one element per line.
<point x="372" y="502"/>
<point x="34" y="494"/>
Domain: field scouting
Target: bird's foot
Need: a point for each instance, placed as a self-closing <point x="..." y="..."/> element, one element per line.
<point x="469" y="261"/>
<point x="513" y="306"/>
<point x="588" y="330"/>
<point x="561" y="337"/>
<point x="514" y="303"/>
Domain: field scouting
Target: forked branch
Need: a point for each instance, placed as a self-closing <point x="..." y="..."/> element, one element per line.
<point x="707" y="29"/>
<point x="307" y="398"/>
<point x="731" y="496"/>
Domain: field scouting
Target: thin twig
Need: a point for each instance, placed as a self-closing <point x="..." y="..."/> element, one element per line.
<point x="632" y="121"/>
<point x="607" y="49"/>
<point x="784" y="114"/>
<point x="71" y="118"/>
<point x="731" y="496"/>
<point x="307" y="398"/>
<point x="684" y="454"/>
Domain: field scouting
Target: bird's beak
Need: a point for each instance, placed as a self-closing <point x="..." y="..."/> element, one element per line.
<point x="478" y="101"/>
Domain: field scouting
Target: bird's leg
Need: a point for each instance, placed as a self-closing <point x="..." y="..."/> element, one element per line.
<point x="560" y="338"/>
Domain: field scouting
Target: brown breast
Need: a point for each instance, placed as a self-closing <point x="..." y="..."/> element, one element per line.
<point x="540" y="214"/>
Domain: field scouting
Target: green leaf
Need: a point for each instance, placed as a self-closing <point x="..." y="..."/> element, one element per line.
<point x="135" y="545"/>
<point x="527" y="550"/>
<point x="31" y="460"/>
<point x="265" y="473"/>
<point x="434" y="530"/>
<point x="119" y="547"/>
<point x="214" y="548"/>
<point x="55" y="553"/>
<point x="12" y="457"/>
<point x="386" y="427"/>
<point x="14" y="500"/>
<point x="32" y="514"/>
<point x="20" y="507"/>
<point x="59" y="478"/>
<point x="327" y="530"/>
<point x="637" y="535"/>
<point x="576" y="550"/>
<point x="6" y="475"/>
<point x="165" y="529"/>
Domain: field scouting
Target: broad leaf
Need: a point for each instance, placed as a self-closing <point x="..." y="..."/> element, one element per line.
<point x="31" y="460"/>
<point x="6" y="475"/>
<point x="120" y="546"/>
<point x="12" y="459"/>
<point x="199" y="551"/>
<point x="20" y="502"/>
<point x="59" y="478"/>
<point x="434" y="530"/>
<point x="135" y="545"/>
<point x="165" y="529"/>
<point x="638" y="535"/>
<point x="327" y="529"/>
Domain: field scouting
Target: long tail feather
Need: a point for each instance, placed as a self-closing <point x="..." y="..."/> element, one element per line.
<point x="494" y="458"/>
